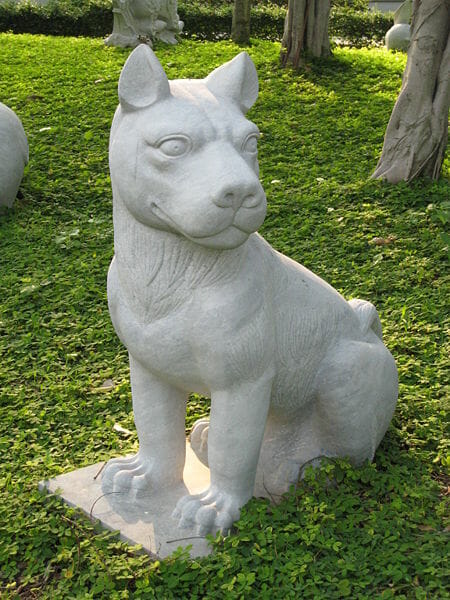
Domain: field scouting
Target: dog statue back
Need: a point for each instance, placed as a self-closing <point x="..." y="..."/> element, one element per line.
<point x="205" y="305"/>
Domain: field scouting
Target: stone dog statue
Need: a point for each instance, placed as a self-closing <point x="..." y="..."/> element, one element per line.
<point x="205" y="305"/>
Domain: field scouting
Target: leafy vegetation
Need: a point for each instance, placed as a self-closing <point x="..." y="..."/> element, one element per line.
<point x="350" y="21"/>
<point x="374" y="532"/>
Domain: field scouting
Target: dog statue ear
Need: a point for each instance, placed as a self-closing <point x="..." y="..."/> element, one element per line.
<point x="236" y="79"/>
<point x="142" y="81"/>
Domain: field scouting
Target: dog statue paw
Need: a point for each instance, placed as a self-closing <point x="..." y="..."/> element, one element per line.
<point x="213" y="510"/>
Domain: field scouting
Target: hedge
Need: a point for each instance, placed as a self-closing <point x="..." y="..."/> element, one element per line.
<point x="359" y="27"/>
<point x="92" y="18"/>
<point x="349" y="22"/>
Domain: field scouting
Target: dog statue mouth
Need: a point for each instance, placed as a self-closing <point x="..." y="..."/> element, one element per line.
<point x="229" y="236"/>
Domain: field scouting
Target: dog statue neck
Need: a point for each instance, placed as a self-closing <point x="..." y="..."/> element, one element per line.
<point x="161" y="270"/>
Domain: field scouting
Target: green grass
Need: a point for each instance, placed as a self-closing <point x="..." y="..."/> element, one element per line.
<point x="377" y="532"/>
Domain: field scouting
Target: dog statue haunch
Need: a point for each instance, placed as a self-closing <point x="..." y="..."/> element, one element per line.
<point x="205" y="305"/>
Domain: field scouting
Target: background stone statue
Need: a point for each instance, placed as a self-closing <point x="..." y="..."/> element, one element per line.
<point x="399" y="35"/>
<point x="144" y="20"/>
<point x="204" y="304"/>
<point x="13" y="155"/>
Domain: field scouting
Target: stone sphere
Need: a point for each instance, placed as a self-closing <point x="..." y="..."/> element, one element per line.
<point x="398" y="37"/>
<point x="13" y="155"/>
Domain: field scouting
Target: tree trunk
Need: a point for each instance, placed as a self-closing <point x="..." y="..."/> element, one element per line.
<point x="305" y="31"/>
<point x="240" y="27"/>
<point x="416" y="136"/>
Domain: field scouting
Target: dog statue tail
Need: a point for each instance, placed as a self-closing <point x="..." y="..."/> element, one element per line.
<point x="368" y="316"/>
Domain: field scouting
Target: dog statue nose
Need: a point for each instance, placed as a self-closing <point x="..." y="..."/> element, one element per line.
<point x="236" y="199"/>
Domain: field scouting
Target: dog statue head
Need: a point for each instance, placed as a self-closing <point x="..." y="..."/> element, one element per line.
<point x="183" y="157"/>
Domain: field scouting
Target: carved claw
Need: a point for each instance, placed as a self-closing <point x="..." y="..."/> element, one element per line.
<point x="133" y="476"/>
<point x="208" y="512"/>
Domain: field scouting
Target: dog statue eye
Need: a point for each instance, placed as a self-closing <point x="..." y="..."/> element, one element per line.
<point x="174" y="146"/>
<point x="250" y="144"/>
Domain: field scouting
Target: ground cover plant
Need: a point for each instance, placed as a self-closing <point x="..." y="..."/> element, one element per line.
<point x="374" y="532"/>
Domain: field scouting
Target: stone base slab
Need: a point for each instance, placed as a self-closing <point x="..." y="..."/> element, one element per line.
<point x="146" y="521"/>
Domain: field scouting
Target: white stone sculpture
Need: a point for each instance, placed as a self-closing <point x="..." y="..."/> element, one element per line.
<point x="144" y="20"/>
<point x="399" y="35"/>
<point x="204" y="304"/>
<point x="13" y="155"/>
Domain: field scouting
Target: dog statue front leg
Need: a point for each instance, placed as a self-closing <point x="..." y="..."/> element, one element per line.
<point x="159" y="414"/>
<point x="236" y="430"/>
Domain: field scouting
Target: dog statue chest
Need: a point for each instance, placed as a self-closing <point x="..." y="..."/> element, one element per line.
<point x="188" y="313"/>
